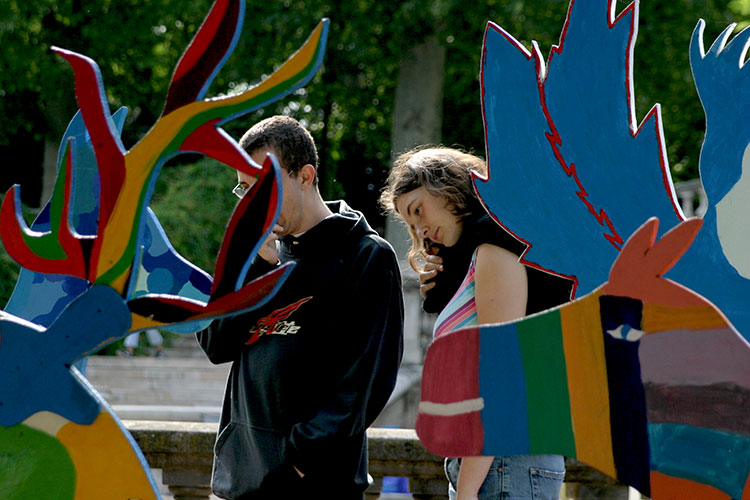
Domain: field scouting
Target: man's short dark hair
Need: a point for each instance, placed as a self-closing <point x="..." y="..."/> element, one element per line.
<point x="289" y="140"/>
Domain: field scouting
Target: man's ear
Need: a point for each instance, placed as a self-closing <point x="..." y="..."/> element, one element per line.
<point x="307" y="175"/>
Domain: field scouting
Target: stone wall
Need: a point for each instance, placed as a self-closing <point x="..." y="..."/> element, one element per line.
<point x="183" y="452"/>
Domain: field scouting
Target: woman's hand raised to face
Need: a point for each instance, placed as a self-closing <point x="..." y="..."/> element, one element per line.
<point x="433" y="265"/>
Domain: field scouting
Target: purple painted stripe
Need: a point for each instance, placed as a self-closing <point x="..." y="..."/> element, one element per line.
<point x="695" y="357"/>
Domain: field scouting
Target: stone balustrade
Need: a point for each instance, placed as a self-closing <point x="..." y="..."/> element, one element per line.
<point x="183" y="451"/>
<point x="692" y="198"/>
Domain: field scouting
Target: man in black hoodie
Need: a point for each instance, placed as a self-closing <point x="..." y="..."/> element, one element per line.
<point x="314" y="366"/>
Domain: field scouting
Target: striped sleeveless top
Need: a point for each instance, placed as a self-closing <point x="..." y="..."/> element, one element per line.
<point x="461" y="309"/>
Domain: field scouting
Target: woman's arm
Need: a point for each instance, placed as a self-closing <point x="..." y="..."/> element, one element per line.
<point x="471" y="475"/>
<point x="501" y="292"/>
<point x="501" y="285"/>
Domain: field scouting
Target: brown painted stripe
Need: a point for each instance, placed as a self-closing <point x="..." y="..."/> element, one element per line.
<point x="719" y="406"/>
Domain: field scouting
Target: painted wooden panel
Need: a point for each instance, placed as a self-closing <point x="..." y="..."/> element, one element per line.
<point x="563" y="138"/>
<point x="655" y="402"/>
<point x="97" y="265"/>
<point x="658" y="371"/>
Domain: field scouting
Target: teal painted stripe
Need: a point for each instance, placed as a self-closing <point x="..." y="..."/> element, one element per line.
<point x="716" y="458"/>
<point x="501" y="384"/>
<point x="550" y="422"/>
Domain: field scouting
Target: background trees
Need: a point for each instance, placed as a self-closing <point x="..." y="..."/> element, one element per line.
<point x="348" y="106"/>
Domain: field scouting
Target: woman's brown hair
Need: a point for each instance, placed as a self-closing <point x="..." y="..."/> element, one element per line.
<point x="443" y="172"/>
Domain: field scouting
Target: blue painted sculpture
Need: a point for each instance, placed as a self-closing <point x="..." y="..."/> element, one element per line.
<point x="562" y="137"/>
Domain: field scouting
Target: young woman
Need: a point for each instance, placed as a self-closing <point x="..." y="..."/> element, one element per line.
<point x="470" y="273"/>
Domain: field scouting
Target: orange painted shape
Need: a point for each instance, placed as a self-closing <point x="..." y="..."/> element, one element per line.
<point x="106" y="465"/>
<point x="139" y="322"/>
<point x="637" y="272"/>
<point x="664" y="487"/>
<point x="661" y="318"/>
<point x="583" y="345"/>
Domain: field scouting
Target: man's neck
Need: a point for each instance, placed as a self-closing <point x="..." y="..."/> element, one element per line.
<point x="315" y="211"/>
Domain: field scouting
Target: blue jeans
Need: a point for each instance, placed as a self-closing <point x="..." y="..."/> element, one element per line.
<point x="517" y="477"/>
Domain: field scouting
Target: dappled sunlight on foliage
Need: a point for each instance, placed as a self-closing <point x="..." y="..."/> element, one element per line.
<point x="193" y="203"/>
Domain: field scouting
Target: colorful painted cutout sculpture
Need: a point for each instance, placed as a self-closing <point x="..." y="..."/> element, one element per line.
<point x="562" y="138"/>
<point x="99" y="266"/>
<point x="642" y="379"/>
<point x="162" y="270"/>
<point x="58" y="290"/>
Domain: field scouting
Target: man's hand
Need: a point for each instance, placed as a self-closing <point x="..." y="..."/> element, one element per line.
<point x="433" y="265"/>
<point x="284" y="481"/>
<point x="268" y="251"/>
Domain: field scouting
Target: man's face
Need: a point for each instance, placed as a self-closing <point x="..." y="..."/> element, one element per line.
<point x="290" y="218"/>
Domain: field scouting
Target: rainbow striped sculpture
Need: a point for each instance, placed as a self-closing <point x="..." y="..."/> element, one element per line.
<point x="642" y="379"/>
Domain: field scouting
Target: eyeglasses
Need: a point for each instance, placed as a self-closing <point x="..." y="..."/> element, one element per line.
<point x="241" y="189"/>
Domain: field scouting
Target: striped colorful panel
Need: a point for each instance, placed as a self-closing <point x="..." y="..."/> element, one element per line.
<point x="587" y="380"/>
<point x="557" y="359"/>
<point x="523" y="380"/>
<point x="550" y="425"/>
<point x="449" y="421"/>
<point x="557" y="383"/>
<point x="505" y="413"/>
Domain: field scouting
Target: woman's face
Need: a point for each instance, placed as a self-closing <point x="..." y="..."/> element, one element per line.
<point x="429" y="216"/>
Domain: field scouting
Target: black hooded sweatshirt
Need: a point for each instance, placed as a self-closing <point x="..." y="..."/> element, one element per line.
<point x="322" y="369"/>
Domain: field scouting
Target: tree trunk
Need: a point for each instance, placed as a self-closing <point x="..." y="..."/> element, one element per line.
<point x="417" y="115"/>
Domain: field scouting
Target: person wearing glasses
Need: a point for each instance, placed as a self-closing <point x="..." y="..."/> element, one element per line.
<point x="314" y="366"/>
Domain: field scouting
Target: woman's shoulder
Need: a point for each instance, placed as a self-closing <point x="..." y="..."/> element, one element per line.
<point x="492" y="257"/>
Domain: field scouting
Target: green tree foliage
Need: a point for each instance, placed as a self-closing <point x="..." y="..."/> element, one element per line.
<point x="349" y="103"/>
<point x="135" y="45"/>
<point x="662" y="72"/>
<point x="193" y="203"/>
